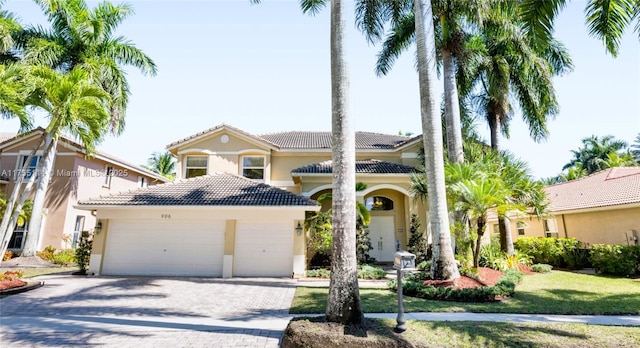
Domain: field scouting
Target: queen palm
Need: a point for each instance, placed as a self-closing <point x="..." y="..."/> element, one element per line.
<point x="76" y="106"/>
<point x="9" y="25"/>
<point x="83" y="37"/>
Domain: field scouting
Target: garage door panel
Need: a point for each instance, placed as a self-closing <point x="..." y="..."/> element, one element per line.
<point x="179" y="248"/>
<point x="264" y="249"/>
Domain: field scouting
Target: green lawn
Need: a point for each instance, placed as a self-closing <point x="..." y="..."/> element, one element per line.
<point x="551" y="293"/>
<point x="34" y="272"/>
<point x="469" y="334"/>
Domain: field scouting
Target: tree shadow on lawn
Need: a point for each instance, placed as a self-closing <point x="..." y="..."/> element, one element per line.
<point x="501" y="334"/>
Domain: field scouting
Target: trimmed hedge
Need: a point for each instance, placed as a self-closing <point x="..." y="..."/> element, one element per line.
<point x="565" y="253"/>
<point x="621" y="260"/>
<point x="412" y="285"/>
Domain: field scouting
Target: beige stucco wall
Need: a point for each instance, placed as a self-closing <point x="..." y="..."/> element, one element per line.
<point x="590" y="227"/>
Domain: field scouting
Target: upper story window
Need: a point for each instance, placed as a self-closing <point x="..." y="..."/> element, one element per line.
<point x="379" y="203"/>
<point x="142" y="181"/>
<point x="32" y="165"/>
<point x="253" y="167"/>
<point x="196" y="166"/>
<point x="108" y="173"/>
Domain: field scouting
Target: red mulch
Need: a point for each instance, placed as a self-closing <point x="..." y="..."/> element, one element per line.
<point x="486" y="277"/>
<point x="11" y="283"/>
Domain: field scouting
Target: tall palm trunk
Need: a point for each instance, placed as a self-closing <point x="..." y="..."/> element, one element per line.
<point x="494" y="129"/>
<point x="476" y="254"/>
<point x="343" y="305"/>
<point x="44" y="176"/>
<point x="506" y="239"/>
<point x="443" y="264"/>
<point x="15" y="205"/>
<point x="452" y="109"/>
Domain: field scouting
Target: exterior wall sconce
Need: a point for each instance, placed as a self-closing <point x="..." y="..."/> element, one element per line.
<point x="98" y="227"/>
<point x="299" y="229"/>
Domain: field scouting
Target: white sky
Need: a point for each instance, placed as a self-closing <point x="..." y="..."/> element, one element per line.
<point x="265" y="68"/>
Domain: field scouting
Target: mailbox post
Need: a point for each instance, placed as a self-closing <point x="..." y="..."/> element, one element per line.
<point x="402" y="261"/>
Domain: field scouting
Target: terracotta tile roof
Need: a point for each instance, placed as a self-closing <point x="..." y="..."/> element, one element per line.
<point x="322" y="140"/>
<point x="610" y="187"/>
<point x="371" y="166"/>
<point x="208" y="190"/>
<point x="6" y="136"/>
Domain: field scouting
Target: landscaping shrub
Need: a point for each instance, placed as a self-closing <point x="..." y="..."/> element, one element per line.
<point x="11" y="275"/>
<point x="8" y="255"/>
<point x="318" y="273"/>
<point x="424" y="266"/>
<point x="558" y="252"/>
<point x="418" y="241"/>
<point x="59" y="257"/>
<point x="370" y="272"/>
<point x="541" y="268"/>
<point x="491" y="256"/>
<point x="364" y="272"/>
<point x="622" y="260"/>
<point x="83" y="251"/>
<point x="412" y="285"/>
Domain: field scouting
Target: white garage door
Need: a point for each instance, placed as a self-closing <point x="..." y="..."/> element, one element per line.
<point x="264" y="249"/>
<point x="169" y="248"/>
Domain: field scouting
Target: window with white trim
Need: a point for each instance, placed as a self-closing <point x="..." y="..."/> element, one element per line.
<point x="521" y="227"/>
<point x="196" y="166"/>
<point x="253" y="167"/>
<point x="77" y="229"/>
<point x="142" y="181"/>
<point x="550" y="228"/>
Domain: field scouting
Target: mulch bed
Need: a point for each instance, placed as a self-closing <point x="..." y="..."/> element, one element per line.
<point x="486" y="277"/>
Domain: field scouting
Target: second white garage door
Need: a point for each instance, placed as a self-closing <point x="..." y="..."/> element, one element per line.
<point x="168" y="248"/>
<point x="263" y="249"/>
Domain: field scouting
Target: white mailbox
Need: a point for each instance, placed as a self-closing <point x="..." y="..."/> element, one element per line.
<point x="404" y="261"/>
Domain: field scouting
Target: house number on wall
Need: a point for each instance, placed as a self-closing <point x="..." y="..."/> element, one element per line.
<point x="165" y="216"/>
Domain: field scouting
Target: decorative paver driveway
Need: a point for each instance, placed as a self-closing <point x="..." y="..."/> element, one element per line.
<point x="147" y="312"/>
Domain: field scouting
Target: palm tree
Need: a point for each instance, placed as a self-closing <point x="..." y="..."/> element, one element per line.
<point x="594" y="153"/>
<point x="75" y="105"/>
<point x="444" y="265"/>
<point x="607" y="20"/>
<point x="8" y="27"/>
<point x="502" y="64"/>
<point x="163" y="164"/>
<point x="14" y="92"/>
<point x="83" y="37"/>
<point x="343" y="304"/>
<point x="477" y="197"/>
<point x="635" y="148"/>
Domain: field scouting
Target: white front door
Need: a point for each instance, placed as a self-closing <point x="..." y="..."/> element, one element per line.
<point x="382" y="236"/>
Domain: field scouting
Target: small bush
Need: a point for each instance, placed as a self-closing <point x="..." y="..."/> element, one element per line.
<point x="491" y="256"/>
<point x="318" y="273"/>
<point x="616" y="259"/>
<point x="541" y="268"/>
<point x="83" y="251"/>
<point x="47" y="253"/>
<point x="8" y="255"/>
<point x="424" y="266"/>
<point x="11" y="275"/>
<point x="370" y="272"/>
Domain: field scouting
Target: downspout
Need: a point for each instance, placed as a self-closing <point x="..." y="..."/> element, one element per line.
<point x="564" y="226"/>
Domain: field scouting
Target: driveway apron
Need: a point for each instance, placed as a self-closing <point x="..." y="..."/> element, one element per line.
<point x="147" y="312"/>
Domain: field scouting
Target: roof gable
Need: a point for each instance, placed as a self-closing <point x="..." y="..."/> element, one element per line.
<point x="610" y="187"/>
<point x="208" y="190"/>
<point x="74" y="146"/>
<point x="211" y="132"/>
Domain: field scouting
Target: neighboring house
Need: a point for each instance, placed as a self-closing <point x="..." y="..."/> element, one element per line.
<point x="602" y="208"/>
<point x="213" y="210"/>
<point x="75" y="177"/>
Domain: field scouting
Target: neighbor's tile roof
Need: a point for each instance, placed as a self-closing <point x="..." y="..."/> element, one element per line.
<point x="371" y="166"/>
<point x="322" y="140"/>
<point x="610" y="187"/>
<point x="208" y="190"/>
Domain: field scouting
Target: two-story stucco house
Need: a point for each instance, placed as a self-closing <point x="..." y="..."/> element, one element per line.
<point x="75" y="177"/>
<point x="239" y="201"/>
